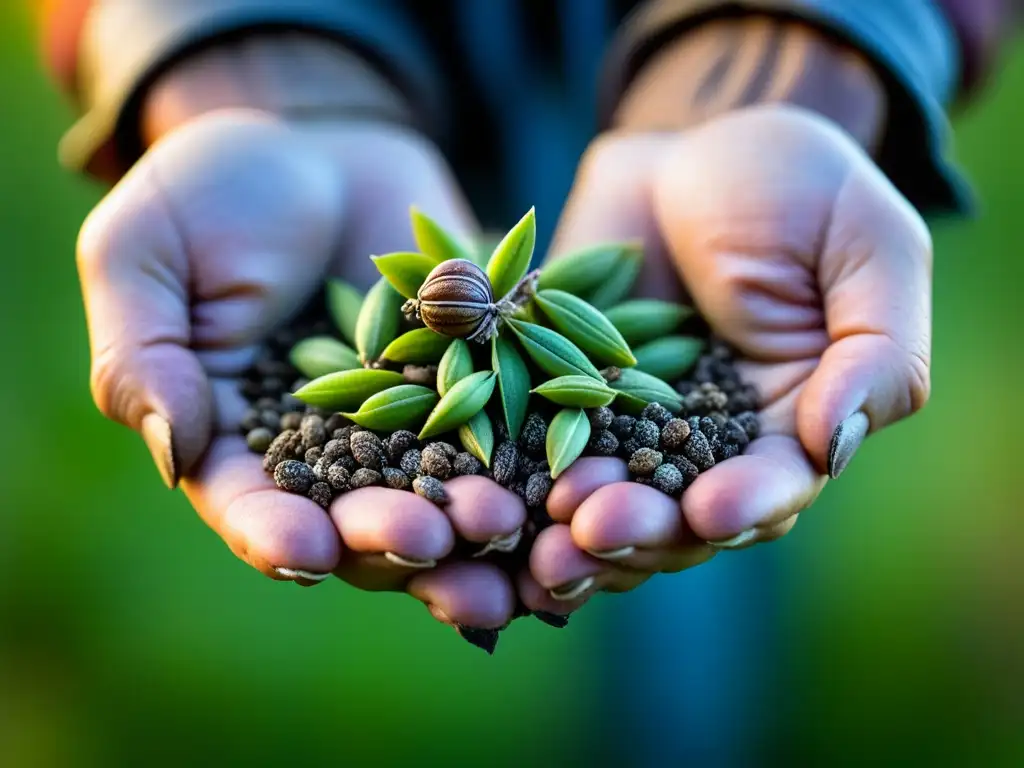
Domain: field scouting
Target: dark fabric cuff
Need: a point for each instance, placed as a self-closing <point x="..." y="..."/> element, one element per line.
<point x="910" y="42"/>
<point x="125" y="46"/>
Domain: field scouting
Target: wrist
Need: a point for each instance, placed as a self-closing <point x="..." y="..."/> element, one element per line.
<point x="729" y="64"/>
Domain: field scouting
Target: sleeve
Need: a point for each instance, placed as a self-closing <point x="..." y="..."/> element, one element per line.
<point x="121" y="47"/>
<point x="911" y="43"/>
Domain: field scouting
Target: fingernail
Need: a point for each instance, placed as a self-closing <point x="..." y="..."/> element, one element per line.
<point x="156" y="431"/>
<point x="409" y="562"/>
<point x="506" y="544"/>
<point x="485" y="639"/>
<point x="440" y="615"/>
<point x="613" y="554"/>
<point x="552" y="619"/>
<point x="298" y="573"/>
<point x="845" y="441"/>
<point x="572" y="590"/>
<point x="736" y="541"/>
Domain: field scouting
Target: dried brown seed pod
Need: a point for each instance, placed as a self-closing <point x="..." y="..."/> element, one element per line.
<point x="456" y="300"/>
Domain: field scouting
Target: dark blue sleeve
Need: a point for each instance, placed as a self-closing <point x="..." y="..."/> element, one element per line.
<point x="910" y="42"/>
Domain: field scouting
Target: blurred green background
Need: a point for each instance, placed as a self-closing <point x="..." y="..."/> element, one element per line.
<point x="129" y="635"/>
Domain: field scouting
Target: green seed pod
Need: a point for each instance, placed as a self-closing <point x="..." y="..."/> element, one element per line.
<point x="456" y="364"/>
<point x="401" y="407"/>
<point x="552" y="352"/>
<point x="420" y="346"/>
<point x="585" y="326"/>
<point x="343" y="304"/>
<point x="405" y="271"/>
<point x="576" y="392"/>
<point x="568" y="435"/>
<point x="669" y="358"/>
<point x="637" y="390"/>
<point x="643" y="320"/>
<point x="582" y="272"/>
<point x="464" y="400"/>
<point x="435" y="241"/>
<point x="511" y="259"/>
<point x="513" y="383"/>
<point x="347" y="389"/>
<point x="319" y="355"/>
<point x="477" y="437"/>
<point x="378" y="321"/>
<point x="456" y="301"/>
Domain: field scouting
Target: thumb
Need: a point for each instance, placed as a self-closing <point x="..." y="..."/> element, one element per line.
<point x="216" y="235"/>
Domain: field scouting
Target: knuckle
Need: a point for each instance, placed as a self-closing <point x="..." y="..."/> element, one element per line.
<point x="919" y="381"/>
<point x="107" y="382"/>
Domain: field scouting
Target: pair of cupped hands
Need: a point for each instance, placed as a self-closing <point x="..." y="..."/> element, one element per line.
<point x="788" y="239"/>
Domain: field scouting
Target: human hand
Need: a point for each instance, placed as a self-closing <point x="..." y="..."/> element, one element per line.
<point x="801" y="254"/>
<point x="222" y="231"/>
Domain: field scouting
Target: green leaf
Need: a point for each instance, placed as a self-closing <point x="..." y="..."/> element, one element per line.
<point x="669" y="358"/>
<point x="320" y="355"/>
<point x="456" y="364"/>
<point x="401" y="407"/>
<point x="552" y="352"/>
<point x="642" y="320"/>
<point x="567" y="437"/>
<point x="576" y="392"/>
<point x="511" y="259"/>
<point x="513" y="382"/>
<point x="435" y="241"/>
<point x="477" y="437"/>
<point x="405" y="271"/>
<point x="620" y="283"/>
<point x="465" y="399"/>
<point x="347" y="389"/>
<point x="582" y="272"/>
<point x="344" y="302"/>
<point x="378" y="321"/>
<point x="421" y="346"/>
<point x="585" y="326"/>
<point x="638" y="389"/>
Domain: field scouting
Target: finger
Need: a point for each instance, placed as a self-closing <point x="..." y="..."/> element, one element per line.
<point x="402" y="528"/>
<point x="483" y="512"/>
<point x="282" y="535"/>
<point x="539" y="600"/>
<point x="579" y="481"/>
<point x="769" y="483"/>
<point x="473" y="594"/>
<point x="214" y="237"/>
<point x="639" y="527"/>
<point x="567" y="572"/>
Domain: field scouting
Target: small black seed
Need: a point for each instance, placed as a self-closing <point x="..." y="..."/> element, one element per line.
<point x="748" y="421"/>
<point x="733" y="432"/>
<point x="322" y="494"/>
<point x="313" y="432"/>
<point x="537" y="489"/>
<point x="344" y="435"/>
<point x="259" y="439"/>
<point x="657" y="413"/>
<point x="668" y="479"/>
<point x="291" y="421"/>
<point x="645" y="461"/>
<point x="434" y="461"/>
<point x="400" y="442"/>
<point x="675" y="434"/>
<point x="518" y="487"/>
<point x="449" y="450"/>
<point x="686" y="467"/>
<point x="280" y="449"/>
<point x="266" y="404"/>
<point x="320" y="468"/>
<point x="294" y="476"/>
<point x="603" y="443"/>
<point x="270" y="419"/>
<point x="501" y="430"/>
<point x="368" y="450"/>
<point x="251" y="420"/>
<point x="504" y="463"/>
<point x="710" y="428"/>
<point x="410" y="462"/>
<point x="312" y="455"/>
<point x="334" y="450"/>
<point x="339" y="477"/>
<point x="485" y="639"/>
<point x="600" y="418"/>
<point x="622" y="427"/>
<point x="552" y="619"/>
<point x="698" y="450"/>
<point x="312" y="410"/>
<point x="719" y="418"/>
<point x="364" y="477"/>
<point x="335" y="421"/>
<point x="726" y="451"/>
<point x="528" y="466"/>
<point x="534" y="434"/>
<point x="431" y="489"/>
<point x="646" y="433"/>
<point x="629" y="447"/>
<point x="348" y="463"/>
<point x="467" y="464"/>
<point x="397" y="479"/>
<point x="290" y="402"/>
